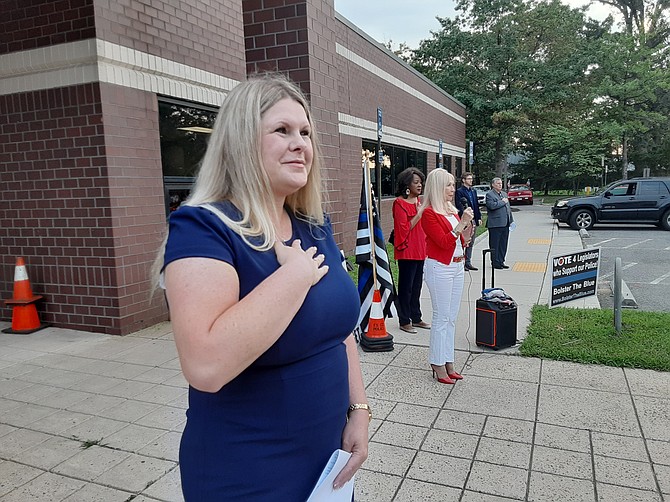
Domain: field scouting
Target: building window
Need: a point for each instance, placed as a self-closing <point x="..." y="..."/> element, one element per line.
<point x="184" y="131"/>
<point x="447" y="163"/>
<point x="456" y="169"/>
<point x="395" y="160"/>
<point x="459" y="167"/>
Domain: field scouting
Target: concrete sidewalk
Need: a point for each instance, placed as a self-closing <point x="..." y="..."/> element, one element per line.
<point x="86" y="417"/>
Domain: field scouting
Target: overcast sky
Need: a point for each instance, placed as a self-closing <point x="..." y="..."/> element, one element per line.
<point x="411" y="22"/>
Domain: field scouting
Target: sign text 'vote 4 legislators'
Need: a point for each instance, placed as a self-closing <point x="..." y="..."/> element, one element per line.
<point x="574" y="276"/>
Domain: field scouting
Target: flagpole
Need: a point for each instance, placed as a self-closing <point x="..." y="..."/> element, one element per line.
<point x="371" y="229"/>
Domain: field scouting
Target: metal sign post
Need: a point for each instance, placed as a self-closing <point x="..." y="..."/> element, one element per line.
<point x="618" y="296"/>
<point x="441" y="165"/>
<point x="380" y="163"/>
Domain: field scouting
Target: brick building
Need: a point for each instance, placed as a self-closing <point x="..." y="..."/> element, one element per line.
<point x="104" y="113"/>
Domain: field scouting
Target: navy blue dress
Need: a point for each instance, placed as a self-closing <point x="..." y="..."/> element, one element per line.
<point x="268" y="433"/>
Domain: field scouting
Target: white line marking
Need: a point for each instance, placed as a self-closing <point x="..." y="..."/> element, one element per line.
<point x="660" y="279"/>
<point x="635" y="244"/>
<point x="625" y="267"/>
<point x="602" y="242"/>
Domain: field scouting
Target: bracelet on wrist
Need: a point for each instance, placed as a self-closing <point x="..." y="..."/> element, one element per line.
<point x="360" y="406"/>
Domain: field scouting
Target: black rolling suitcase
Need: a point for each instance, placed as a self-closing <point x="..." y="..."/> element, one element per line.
<point x="496" y="314"/>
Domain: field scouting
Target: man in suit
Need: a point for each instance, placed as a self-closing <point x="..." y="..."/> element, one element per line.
<point x="470" y="195"/>
<point x="498" y="222"/>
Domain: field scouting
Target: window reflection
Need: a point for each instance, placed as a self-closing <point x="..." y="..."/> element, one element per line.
<point x="184" y="132"/>
<point x="395" y="160"/>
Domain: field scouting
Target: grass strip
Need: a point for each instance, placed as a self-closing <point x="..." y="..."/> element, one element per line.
<point x="588" y="336"/>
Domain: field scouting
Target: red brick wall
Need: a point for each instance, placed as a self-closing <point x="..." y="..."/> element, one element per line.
<point x="325" y="102"/>
<point x="82" y="202"/>
<point x="137" y="211"/>
<point x="54" y="209"/>
<point x="275" y="38"/>
<point x="41" y="23"/>
<point x="203" y="34"/>
<point x="349" y="185"/>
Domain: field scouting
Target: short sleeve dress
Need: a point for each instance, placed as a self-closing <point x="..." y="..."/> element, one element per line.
<point x="268" y="433"/>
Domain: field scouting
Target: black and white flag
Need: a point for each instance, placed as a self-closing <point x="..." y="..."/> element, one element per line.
<point x="366" y="284"/>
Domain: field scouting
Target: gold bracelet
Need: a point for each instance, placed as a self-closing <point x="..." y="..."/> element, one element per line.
<point x="360" y="406"/>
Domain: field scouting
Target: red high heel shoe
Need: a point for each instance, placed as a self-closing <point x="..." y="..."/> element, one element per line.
<point x="455" y="376"/>
<point x="442" y="380"/>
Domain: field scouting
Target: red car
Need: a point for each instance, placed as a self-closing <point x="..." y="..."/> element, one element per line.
<point x="520" y="194"/>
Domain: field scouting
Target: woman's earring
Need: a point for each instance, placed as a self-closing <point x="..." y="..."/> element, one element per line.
<point x="407" y="191"/>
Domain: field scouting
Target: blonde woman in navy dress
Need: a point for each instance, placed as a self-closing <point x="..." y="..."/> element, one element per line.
<point x="262" y="309"/>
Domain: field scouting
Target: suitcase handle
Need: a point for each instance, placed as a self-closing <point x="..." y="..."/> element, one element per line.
<point x="484" y="252"/>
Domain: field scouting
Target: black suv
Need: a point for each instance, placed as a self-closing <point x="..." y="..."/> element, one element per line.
<point x="638" y="200"/>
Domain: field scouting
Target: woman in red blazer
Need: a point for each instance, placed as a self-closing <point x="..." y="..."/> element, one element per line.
<point x="409" y="244"/>
<point x="444" y="269"/>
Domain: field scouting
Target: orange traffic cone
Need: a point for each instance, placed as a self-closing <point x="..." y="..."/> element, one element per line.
<point x="24" y="314"/>
<point x="376" y="324"/>
<point x="375" y="338"/>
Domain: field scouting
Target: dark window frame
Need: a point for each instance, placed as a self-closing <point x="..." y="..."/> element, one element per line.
<point x="400" y="159"/>
<point x="181" y="152"/>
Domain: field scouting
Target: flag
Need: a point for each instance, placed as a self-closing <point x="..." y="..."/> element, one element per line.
<point x="366" y="284"/>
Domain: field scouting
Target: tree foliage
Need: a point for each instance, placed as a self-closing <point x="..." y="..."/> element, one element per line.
<point x="629" y="84"/>
<point x="646" y="19"/>
<point x="540" y="78"/>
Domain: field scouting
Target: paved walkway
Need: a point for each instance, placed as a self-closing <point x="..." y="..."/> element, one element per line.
<point x="89" y="417"/>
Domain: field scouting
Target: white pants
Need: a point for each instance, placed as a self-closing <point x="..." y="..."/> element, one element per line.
<point x="445" y="283"/>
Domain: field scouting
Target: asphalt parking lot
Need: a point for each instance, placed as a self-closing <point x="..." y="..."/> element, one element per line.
<point x="645" y="258"/>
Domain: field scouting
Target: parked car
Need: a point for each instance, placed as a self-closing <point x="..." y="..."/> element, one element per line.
<point x="521" y="194"/>
<point x="638" y="200"/>
<point x="481" y="193"/>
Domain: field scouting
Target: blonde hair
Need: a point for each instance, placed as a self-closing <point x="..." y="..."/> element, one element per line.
<point x="232" y="168"/>
<point x="433" y="192"/>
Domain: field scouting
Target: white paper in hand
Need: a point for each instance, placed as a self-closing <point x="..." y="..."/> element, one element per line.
<point x="323" y="490"/>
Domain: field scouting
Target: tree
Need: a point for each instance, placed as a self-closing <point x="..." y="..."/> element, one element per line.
<point x="648" y="20"/>
<point x="576" y="150"/>
<point x="403" y="51"/>
<point x="636" y="82"/>
<point x="540" y="79"/>
<point x="630" y="85"/>
<point x="512" y="63"/>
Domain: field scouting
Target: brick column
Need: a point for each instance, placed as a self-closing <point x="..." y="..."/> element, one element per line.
<point x="298" y="38"/>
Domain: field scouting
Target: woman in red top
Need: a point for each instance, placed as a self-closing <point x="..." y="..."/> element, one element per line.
<point x="444" y="268"/>
<point x="409" y="244"/>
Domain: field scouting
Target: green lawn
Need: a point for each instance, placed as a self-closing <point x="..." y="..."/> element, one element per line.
<point x="588" y="336"/>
